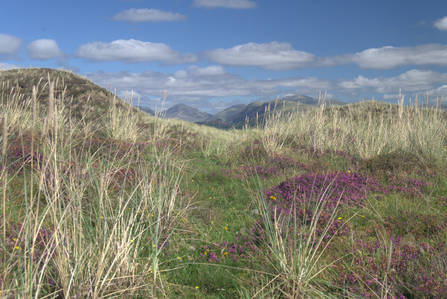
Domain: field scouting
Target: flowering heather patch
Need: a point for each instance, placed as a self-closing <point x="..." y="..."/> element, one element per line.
<point x="19" y="153"/>
<point x="407" y="186"/>
<point x="411" y="271"/>
<point x="16" y="250"/>
<point x="349" y="189"/>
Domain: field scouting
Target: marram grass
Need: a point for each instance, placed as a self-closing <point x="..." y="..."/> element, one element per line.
<point x="339" y="202"/>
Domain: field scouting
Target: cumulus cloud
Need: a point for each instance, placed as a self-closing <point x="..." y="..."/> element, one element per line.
<point x="441" y="24"/>
<point x="273" y="56"/>
<point x="132" y="51"/>
<point x="412" y="81"/>
<point x="9" y="45"/>
<point x="44" y="49"/>
<point x="239" y="4"/>
<point x="148" y="15"/>
<point x="391" y="57"/>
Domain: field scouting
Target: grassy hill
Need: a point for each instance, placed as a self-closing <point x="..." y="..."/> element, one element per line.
<point x="101" y="200"/>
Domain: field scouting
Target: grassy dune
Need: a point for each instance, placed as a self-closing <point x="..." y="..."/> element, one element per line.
<point x="100" y="200"/>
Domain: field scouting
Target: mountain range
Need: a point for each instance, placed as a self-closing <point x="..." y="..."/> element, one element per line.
<point x="237" y="115"/>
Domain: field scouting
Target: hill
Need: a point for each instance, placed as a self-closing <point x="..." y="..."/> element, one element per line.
<point x="147" y="110"/>
<point x="187" y="113"/>
<point x="86" y="100"/>
<point x="226" y="114"/>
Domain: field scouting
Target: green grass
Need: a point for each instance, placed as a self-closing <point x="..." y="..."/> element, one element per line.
<point x="120" y="204"/>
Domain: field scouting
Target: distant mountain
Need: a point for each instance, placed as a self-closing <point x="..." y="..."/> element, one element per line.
<point x="147" y="110"/>
<point x="286" y="105"/>
<point x="226" y="114"/>
<point x="310" y="101"/>
<point x="186" y="113"/>
<point x="236" y="115"/>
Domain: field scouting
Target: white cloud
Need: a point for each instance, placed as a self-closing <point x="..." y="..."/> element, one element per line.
<point x="7" y="66"/>
<point x="9" y="45"/>
<point x="391" y="57"/>
<point x="148" y="15"/>
<point x="388" y="97"/>
<point x="239" y="4"/>
<point x="133" y="51"/>
<point x="412" y="81"/>
<point x="440" y="92"/>
<point x="441" y="24"/>
<point x="273" y="56"/>
<point x="44" y="49"/>
<point x="214" y="70"/>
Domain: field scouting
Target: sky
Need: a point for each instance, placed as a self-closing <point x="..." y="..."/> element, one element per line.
<point x="212" y="54"/>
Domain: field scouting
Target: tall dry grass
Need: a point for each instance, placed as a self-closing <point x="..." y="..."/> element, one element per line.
<point x="75" y="230"/>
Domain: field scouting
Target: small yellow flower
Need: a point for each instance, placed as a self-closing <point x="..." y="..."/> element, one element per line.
<point x="339" y="218"/>
<point x="152" y="215"/>
<point x="154" y="245"/>
<point x="131" y="240"/>
<point x="183" y="220"/>
<point x="363" y="216"/>
<point x="14" y="239"/>
<point x="192" y="180"/>
<point x="272" y="197"/>
<point x="179" y="258"/>
<point x="101" y="217"/>
<point x="151" y="271"/>
<point x="205" y="253"/>
<point x="17" y="247"/>
<point x="212" y="222"/>
<point x="226" y="228"/>
<point x="197" y="287"/>
<point x="226" y="253"/>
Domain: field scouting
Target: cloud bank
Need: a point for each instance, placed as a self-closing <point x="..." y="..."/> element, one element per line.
<point x="390" y="57"/>
<point x="281" y="56"/>
<point x="273" y="56"/>
<point x="238" y="4"/>
<point x="133" y="51"/>
<point x="201" y="87"/>
<point x="148" y="15"/>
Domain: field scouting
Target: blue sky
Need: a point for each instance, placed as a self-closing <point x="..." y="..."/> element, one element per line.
<point x="211" y="54"/>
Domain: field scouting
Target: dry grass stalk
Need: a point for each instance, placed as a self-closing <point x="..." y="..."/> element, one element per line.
<point x="4" y="174"/>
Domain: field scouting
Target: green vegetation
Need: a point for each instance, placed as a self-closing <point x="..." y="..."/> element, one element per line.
<point x="101" y="200"/>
